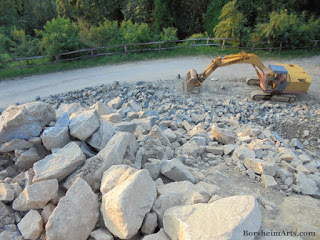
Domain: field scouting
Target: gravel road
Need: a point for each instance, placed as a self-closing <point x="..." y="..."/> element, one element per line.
<point x="26" y="89"/>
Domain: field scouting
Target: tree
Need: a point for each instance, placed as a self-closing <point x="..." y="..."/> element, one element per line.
<point x="59" y="35"/>
<point x="23" y="45"/>
<point x="289" y="29"/>
<point x="188" y="16"/>
<point x="138" y="11"/>
<point x="9" y="15"/>
<point x="135" y="33"/>
<point x="106" y="33"/>
<point x="211" y="17"/>
<point x="232" y="23"/>
<point x="92" y="11"/>
<point x="162" y="17"/>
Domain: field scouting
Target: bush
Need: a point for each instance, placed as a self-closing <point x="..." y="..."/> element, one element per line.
<point x="23" y="45"/>
<point x="289" y="29"/>
<point x="59" y="35"/>
<point x="105" y="34"/>
<point x="195" y="36"/>
<point x="169" y="34"/>
<point x="136" y="33"/>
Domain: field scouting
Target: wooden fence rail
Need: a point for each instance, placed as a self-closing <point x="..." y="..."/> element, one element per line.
<point x="143" y="47"/>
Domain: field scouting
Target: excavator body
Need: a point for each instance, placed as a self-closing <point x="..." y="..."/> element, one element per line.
<point x="277" y="81"/>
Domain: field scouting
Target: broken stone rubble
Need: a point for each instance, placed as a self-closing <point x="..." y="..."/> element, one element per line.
<point x="173" y="144"/>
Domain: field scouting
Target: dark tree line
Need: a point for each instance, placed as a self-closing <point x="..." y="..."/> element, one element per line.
<point x="30" y="27"/>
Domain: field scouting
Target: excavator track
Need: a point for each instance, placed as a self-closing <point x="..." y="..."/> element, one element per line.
<point x="252" y="81"/>
<point x="284" y="98"/>
<point x="261" y="95"/>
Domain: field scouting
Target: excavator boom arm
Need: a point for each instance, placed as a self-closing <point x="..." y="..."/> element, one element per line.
<point x="227" y="60"/>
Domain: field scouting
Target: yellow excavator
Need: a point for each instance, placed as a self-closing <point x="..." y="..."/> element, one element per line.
<point x="278" y="82"/>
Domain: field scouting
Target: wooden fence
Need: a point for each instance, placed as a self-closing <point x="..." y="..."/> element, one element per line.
<point x="149" y="46"/>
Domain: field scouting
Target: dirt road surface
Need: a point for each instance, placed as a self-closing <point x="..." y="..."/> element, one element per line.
<point x="26" y="89"/>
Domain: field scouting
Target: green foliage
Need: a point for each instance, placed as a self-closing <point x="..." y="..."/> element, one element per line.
<point x="195" y="36"/>
<point x="168" y="34"/>
<point x="289" y="29"/>
<point x="9" y="15"/>
<point x="188" y="16"/>
<point x="211" y="18"/>
<point x="198" y="35"/>
<point x="111" y="22"/>
<point x="92" y="11"/>
<point x="138" y="11"/>
<point x="161" y="15"/>
<point x="5" y="43"/>
<point x="59" y="35"/>
<point x="105" y="34"/>
<point x="23" y="45"/>
<point x="135" y="32"/>
<point x="232" y="24"/>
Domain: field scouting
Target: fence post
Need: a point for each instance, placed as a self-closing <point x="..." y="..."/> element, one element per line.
<point x="223" y="43"/>
<point x="19" y="64"/>
<point x="208" y="41"/>
<point x="280" y="47"/>
<point x="91" y="52"/>
<point x="254" y="44"/>
<point x="160" y="47"/>
<point x="126" y="48"/>
<point x="192" y="44"/>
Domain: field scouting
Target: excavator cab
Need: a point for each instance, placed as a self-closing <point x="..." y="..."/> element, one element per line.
<point x="277" y="80"/>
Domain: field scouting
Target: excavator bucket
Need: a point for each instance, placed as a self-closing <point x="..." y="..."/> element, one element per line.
<point x="191" y="81"/>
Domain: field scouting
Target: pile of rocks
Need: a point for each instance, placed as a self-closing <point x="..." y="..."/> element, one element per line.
<point x="132" y="167"/>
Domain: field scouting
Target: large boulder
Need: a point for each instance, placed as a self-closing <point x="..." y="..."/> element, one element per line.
<point x="176" y="170"/>
<point x="134" y="106"/>
<point x="242" y="152"/>
<point x="15" y="144"/>
<point x="101" y="137"/>
<point x="68" y="108"/>
<point x="149" y="223"/>
<point x="24" y="121"/>
<point x="59" y="164"/>
<point x="300" y="213"/>
<point x="102" y="109"/>
<point x="115" y="103"/>
<point x="145" y="124"/>
<point x="180" y="194"/>
<point x="83" y="124"/>
<point x="306" y="185"/>
<point x="27" y="158"/>
<point x="157" y="133"/>
<point x="6" y="192"/>
<point x="76" y="214"/>
<point x="31" y="225"/>
<point x="112" y="154"/>
<point x="126" y="200"/>
<point x="259" y="166"/>
<point x="57" y="136"/>
<point x="223" y="136"/>
<point x="227" y="218"/>
<point x="36" y="196"/>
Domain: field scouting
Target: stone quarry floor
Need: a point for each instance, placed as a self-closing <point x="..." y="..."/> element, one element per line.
<point x="26" y="89"/>
<point x="281" y="211"/>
